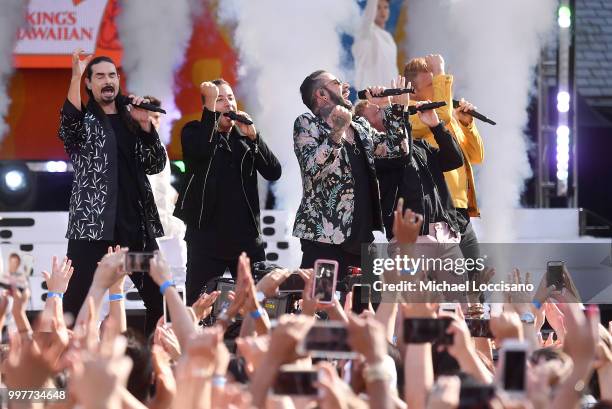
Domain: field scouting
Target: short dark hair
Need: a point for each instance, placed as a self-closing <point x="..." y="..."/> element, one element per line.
<point x="97" y="60"/>
<point x="308" y="87"/>
<point x="153" y="100"/>
<point x="217" y="82"/>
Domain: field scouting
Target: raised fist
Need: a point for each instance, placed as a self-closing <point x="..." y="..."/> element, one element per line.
<point x="435" y="62"/>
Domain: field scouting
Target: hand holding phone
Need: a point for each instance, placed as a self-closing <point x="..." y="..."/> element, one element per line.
<point x="137" y="262"/>
<point x="513" y="357"/>
<point x="325" y="276"/>
<point x="295" y="381"/>
<point x="422" y="330"/>
<point x="554" y="274"/>
<point x="360" y="298"/>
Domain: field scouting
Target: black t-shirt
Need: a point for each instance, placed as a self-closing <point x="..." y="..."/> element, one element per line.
<point x="231" y="229"/>
<point x="129" y="225"/>
<point x="361" y="227"/>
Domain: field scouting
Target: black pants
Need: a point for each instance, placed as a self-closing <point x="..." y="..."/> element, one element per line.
<point x="85" y="256"/>
<point x="469" y="245"/>
<point x="313" y="250"/>
<point x="202" y="267"/>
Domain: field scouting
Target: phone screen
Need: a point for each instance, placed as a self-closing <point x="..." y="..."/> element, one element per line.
<point x="422" y="330"/>
<point x="223" y="301"/>
<point x="294" y="282"/>
<point x="325" y="281"/>
<point x="296" y="382"/>
<point x="137" y="262"/>
<point x="328" y="341"/>
<point x="514" y="370"/>
<point x="479" y="328"/>
<point x="361" y="298"/>
<point x="554" y="274"/>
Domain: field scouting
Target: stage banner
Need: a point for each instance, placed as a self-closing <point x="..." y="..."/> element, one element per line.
<point x="55" y="28"/>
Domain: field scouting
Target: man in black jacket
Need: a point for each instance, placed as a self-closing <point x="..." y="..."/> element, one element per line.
<point x="112" y="150"/>
<point x="220" y="201"/>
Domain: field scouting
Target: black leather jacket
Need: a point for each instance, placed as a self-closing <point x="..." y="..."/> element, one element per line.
<point x="200" y="141"/>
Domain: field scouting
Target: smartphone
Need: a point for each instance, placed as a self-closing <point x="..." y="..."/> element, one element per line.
<point x="421" y="330"/>
<point x="294" y="282"/>
<point x="361" y="297"/>
<point x="479" y="328"/>
<point x="327" y="339"/>
<point x="167" y="317"/>
<point x="295" y="381"/>
<point x="325" y="276"/>
<point x="443" y="362"/>
<point x="513" y="357"/>
<point x="222" y="302"/>
<point x="450" y="307"/>
<point x="137" y="262"/>
<point x="475" y="395"/>
<point x="554" y="274"/>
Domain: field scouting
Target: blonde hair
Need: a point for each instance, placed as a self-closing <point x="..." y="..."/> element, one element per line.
<point x="415" y="67"/>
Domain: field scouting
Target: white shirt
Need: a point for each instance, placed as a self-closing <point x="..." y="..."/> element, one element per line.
<point x="374" y="51"/>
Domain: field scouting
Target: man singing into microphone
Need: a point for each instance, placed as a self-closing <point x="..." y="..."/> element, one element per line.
<point x="432" y="83"/>
<point x="340" y="202"/>
<point x="112" y="149"/>
<point x="220" y="202"/>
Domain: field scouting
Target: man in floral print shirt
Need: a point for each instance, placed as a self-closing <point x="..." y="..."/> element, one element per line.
<point x="340" y="204"/>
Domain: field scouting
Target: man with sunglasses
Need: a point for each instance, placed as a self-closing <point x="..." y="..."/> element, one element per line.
<point x="340" y="204"/>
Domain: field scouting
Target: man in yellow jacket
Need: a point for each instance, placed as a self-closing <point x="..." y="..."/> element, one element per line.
<point x="431" y="83"/>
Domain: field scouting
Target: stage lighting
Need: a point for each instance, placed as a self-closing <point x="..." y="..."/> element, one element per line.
<point x="563" y="133"/>
<point x="565" y="17"/>
<point x="56" y="166"/>
<point x="15" y="180"/>
<point x="563" y="101"/>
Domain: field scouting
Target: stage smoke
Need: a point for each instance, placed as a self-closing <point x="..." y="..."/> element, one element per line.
<point x="12" y="16"/>
<point x="155" y="35"/>
<point x="492" y="47"/>
<point x="279" y="43"/>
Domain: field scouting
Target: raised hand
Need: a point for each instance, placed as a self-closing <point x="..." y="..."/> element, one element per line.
<point x="435" y="63"/>
<point x="367" y="336"/>
<point x="159" y="269"/>
<point x="403" y="99"/>
<point x="203" y="305"/>
<point x="270" y="282"/>
<point x="406" y="224"/>
<point x="110" y="269"/>
<point x="210" y="92"/>
<point x="60" y="275"/>
<point x="78" y="65"/>
<point x="429" y="117"/>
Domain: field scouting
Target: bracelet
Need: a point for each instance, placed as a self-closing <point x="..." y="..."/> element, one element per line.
<point x="219" y="381"/>
<point x="51" y="294"/>
<point x="116" y="297"/>
<point x="165" y="285"/>
<point x="376" y="372"/>
<point x="537" y="304"/>
<point x="258" y="313"/>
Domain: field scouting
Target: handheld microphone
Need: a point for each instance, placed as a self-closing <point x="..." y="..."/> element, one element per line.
<point x="475" y="114"/>
<point x="124" y="100"/>
<point x="386" y="93"/>
<point x="412" y="109"/>
<point x="237" y="117"/>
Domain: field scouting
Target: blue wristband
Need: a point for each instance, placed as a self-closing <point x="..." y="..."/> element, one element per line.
<point x="219" y="381"/>
<point x="51" y="294"/>
<point x="257" y="313"/>
<point x="165" y="285"/>
<point x="537" y="304"/>
<point x="115" y="297"/>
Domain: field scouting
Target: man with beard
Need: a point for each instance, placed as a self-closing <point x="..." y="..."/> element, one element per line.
<point x="340" y="205"/>
<point x="112" y="149"/>
<point x="220" y="201"/>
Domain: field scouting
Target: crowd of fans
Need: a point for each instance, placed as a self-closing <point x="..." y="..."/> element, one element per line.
<point x="185" y="365"/>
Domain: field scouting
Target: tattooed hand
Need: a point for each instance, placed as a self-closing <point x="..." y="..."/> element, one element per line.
<point x="339" y="119"/>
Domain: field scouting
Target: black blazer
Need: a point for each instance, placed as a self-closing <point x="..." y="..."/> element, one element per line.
<point x="200" y="140"/>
